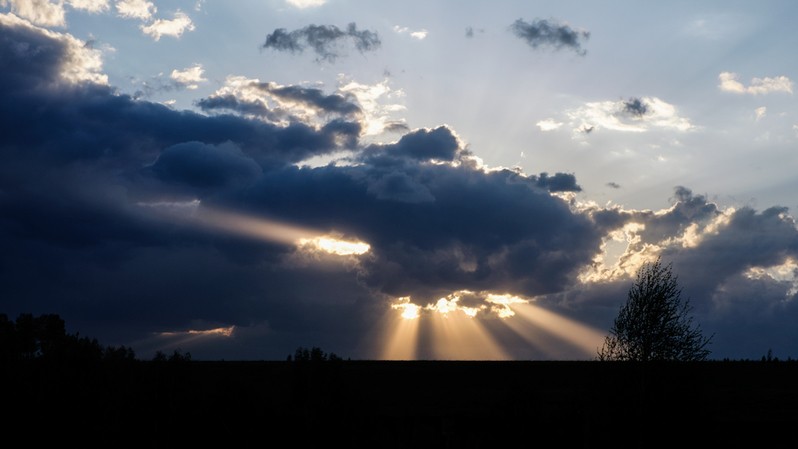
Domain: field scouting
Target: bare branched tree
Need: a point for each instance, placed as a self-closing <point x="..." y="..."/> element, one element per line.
<point x="655" y="324"/>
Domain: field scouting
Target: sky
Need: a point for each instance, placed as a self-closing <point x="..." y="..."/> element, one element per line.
<point x="397" y="180"/>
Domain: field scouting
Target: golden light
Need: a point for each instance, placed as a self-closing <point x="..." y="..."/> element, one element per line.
<point x="450" y="330"/>
<point x="443" y="305"/>
<point x="400" y="333"/>
<point x="574" y="333"/>
<point x="501" y="304"/>
<point x="257" y="227"/>
<point x="335" y="246"/>
<point x="219" y="331"/>
<point x="457" y="336"/>
<point x="410" y="311"/>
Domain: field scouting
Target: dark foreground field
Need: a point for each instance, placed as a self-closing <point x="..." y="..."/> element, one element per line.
<point x="403" y="404"/>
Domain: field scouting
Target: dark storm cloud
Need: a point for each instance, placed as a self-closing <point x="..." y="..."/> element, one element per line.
<point x="83" y="168"/>
<point x="324" y="40"/>
<point x="315" y="98"/>
<point x="549" y="33"/>
<point x="438" y="227"/>
<point x="423" y="144"/>
<point x="560" y="182"/>
<point x="635" y="107"/>
<point x="232" y="103"/>
<point x="205" y="166"/>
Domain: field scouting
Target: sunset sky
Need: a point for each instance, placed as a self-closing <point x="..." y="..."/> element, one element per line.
<point x="397" y="180"/>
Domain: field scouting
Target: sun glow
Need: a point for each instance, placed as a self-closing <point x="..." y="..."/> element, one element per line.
<point x="455" y="328"/>
<point x="335" y="246"/>
<point x="257" y="227"/>
<point x="401" y="332"/>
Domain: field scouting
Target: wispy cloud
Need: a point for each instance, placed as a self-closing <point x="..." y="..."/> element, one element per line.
<point x="415" y="34"/>
<point x="136" y="9"/>
<point x="548" y="33"/>
<point x="759" y="86"/>
<point x="631" y="115"/>
<point x="324" y="40"/>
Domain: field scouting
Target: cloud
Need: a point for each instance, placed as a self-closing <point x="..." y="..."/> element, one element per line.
<point x="39" y="12"/>
<point x="281" y="104"/>
<point x="174" y="27"/>
<point x="304" y="4"/>
<point x="632" y="115"/>
<point x="548" y="125"/>
<point x="69" y="61"/>
<point x="635" y="107"/>
<point x="93" y="6"/>
<point x="135" y="221"/>
<point x="417" y="34"/>
<point x="550" y="33"/>
<point x="49" y="13"/>
<point x="200" y="165"/>
<point x="189" y="77"/>
<point x="324" y="40"/>
<point x="759" y="86"/>
<point x="136" y="9"/>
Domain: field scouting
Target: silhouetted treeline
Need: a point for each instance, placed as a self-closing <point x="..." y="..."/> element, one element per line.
<point x="44" y="337"/>
<point x="314" y="354"/>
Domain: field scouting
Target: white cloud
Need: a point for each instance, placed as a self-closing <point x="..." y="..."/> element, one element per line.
<point x="760" y="112"/>
<point x="636" y="115"/>
<point x="175" y="27"/>
<point x="302" y="4"/>
<point x="136" y="9"/>
<point x="89" y="5"/>
<point x="39" y="12"/>
<point x="548" y="125"/>
<point x="189" y="77"/>
<point x="81" y="63"/>
<point x="51" y="13"/>
<point x="729" y="83"/>
<point x="377" y="103"/>
<point x="418" y="34"/>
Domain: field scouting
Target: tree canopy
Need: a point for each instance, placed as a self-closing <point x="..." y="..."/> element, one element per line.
<point x="655" y="323"/>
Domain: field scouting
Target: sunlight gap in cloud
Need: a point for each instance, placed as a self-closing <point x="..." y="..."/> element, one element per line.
<point x="785" y="272"/>
<point x="304" y="238"/>
<point x="455" y="332"/>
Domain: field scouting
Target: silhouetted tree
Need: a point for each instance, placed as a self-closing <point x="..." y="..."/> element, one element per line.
<point x="314" y="354"/>
<point x="45" y="337"/>
<point x="654" y="324"/>
<point x="176" y="356"/>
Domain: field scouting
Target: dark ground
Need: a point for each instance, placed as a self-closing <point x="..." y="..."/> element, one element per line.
<point x="402" y="404"/>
